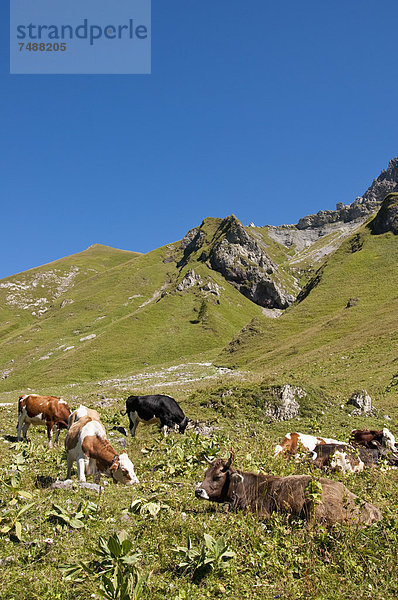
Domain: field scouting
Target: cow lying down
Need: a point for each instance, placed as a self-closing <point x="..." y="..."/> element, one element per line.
<point x="349" y="459"/>
<point x="266" y="494"/>
<point x="293" y="442"/>
<point x="86" y="444"/>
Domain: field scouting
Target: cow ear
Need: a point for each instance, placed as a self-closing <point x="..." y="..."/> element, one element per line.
<point x="228" y="463"/>
<point x="236" y="478"/>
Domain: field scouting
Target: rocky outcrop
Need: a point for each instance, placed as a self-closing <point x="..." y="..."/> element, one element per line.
<point x="190" y="279"/>
<point x="242" y="262"/>
<point x="362" y="207"/>
<point x="387" y="217"/>
<point x="287" y="405"/>
<point x="362" y="403"/>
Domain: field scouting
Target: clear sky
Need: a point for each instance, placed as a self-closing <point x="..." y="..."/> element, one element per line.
<point x="268" y="110"/>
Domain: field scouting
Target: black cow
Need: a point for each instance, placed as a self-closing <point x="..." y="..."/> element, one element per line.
<point x="155" y="409"/>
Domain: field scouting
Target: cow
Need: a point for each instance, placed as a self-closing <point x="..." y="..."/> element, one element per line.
<point x="80" y="412"/>
<point x="293" y="442"/>
<point x="352" y="459"/>
<point x="293" y="495"/>
<point x="86" y="444"/>
<point x="39" y="410"/>
<point x="339" y="457"/>
<point x="371" y="437"/>
<point x="155" y="409"/>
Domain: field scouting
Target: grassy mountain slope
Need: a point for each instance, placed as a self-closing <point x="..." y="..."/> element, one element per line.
<point x="321" y="339"/>
<point x="129" y="306"/>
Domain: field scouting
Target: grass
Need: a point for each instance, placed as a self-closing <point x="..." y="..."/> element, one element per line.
<point x="270" y="559"/>
<point x="132" y="311"/>
<point x="148" y="336"/>
<point x="322" y="341"/>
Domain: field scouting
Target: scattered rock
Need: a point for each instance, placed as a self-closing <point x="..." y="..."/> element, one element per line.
<point x="189" y="280"/>
<point x="352" y="302"/>
<point x="287" y="404"/>
<point x="66" y="302"/>
<point x="88" y="337"/>
<point x="201" y="428"/>
<point x="6" y="373"/>
<point x="362" y="403"/>
<point x="211" y="287"/>
<point x="68" y="484"/>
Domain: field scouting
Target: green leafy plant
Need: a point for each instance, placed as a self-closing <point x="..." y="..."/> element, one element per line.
<point x="11" y="521"/>
<point x="148" y="507"/>
<point x="212" y="555"/>
<point x="115" y="570"/>
<point x="72" y="519"/>
<point x="181" y="455"/>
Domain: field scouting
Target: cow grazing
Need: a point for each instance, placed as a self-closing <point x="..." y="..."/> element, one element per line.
<point x="42" y="410"/>
<point x="86" y="444"/>
<point x="80" y="412"/>
<point x="293" y="442"/>
<point x="266" y="494"/>
<point x="155" y="409"/>
<point x="370" y="438"/>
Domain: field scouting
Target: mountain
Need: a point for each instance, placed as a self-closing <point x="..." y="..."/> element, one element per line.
<point x="106" y="312"/>
<point x="343" y="329"/>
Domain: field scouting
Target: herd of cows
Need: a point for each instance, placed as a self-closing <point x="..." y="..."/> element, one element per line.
<point x="331" y="502"/>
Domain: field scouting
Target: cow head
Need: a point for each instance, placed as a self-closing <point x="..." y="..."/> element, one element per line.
<point x="389" y="440"/>
<point x="183" y="425"/>
<point x="122" y="470"/>
<point x="219" y="482"/>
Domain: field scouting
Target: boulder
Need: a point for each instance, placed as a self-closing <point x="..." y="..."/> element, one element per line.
<point x="362" y="403"/>
<point x="287" y="404"/>
<point x="189" y="280"/>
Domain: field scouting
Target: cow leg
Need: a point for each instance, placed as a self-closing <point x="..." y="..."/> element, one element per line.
<point x="69" y="461"/>
<point x="134" y="420"/>
<point x="25" y="428"/>
<point x="164" y="430"/>
<point x="81" y="469"/>
<point x="19" y="426"/>
<point x="57" y="432"/>
<point x="50" y="428"/>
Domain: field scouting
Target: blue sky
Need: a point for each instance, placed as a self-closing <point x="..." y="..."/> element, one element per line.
<point x="266" y="110"/>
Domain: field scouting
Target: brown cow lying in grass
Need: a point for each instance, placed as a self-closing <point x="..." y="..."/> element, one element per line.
<point x="266" y="494"/>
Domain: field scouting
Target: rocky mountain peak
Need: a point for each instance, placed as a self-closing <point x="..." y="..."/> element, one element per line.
<point x="227" y="248"/>
<point x="362" y="207"/>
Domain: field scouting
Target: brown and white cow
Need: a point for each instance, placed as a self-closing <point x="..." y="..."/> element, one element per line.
<point x="80" y="412"/>
<point x="370" y="438"/>
<point x="86" y="444"/>
<point x="42" y="410"/>
<point x="339" y="457"/>
<point x="266" y="494"/>
<point x="293" y="442"/>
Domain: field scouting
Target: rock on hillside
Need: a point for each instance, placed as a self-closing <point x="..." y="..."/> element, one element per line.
<point x="387" y="217"/>
<point x="231" y="251"/>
